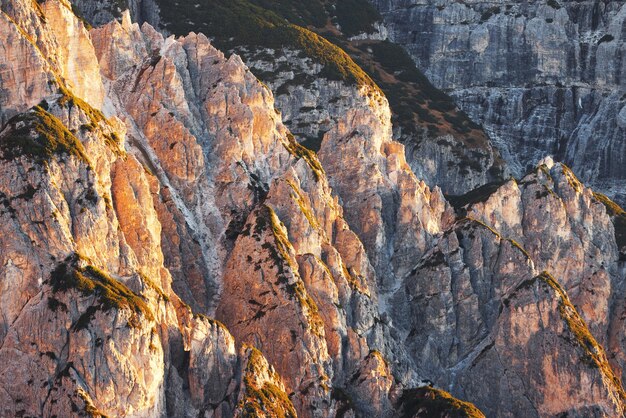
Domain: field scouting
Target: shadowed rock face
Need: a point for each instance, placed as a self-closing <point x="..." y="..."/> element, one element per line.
<point x="343" y="284"/>
<point x="544" y="78"/>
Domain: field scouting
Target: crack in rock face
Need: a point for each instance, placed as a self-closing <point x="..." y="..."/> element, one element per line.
<point x="169" y="249"/>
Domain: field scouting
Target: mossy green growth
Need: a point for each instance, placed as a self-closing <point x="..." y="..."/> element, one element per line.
<point x="338" y="65"/>
<point x="39" y="135"/>
<point x="618" y="216"/>
<point x="90" y="280"/>
<point x="299" y="198"/>
<point x="298" y="12"/>
<point x="280" y="252"/>
<point x="90" y="408"/>
<point x="436" y="403"/>
<point x="280" y="249"/>
<point x="468" y="222"/>
<point x="233" y="23"/>
<point x="152" y="285"/>
<point x="69" y="100"/>
<point x="299" y="151"/>
<point x="519" y="247"/>
<point x="263" y="400"/>
<point x="572" y="179"/>
<point x="612" y="208"/>
<point x="321" y="30"/>
<point x="95" y="116"/>
<point x="594" y="353"/>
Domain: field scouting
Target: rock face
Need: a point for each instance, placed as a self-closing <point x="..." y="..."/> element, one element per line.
<point x="544" y="78"/>
<point x="53" y="50"/>
<point x="444" y="147"/>
<point x="343" y="284"/>
<point x="311" y="105"/>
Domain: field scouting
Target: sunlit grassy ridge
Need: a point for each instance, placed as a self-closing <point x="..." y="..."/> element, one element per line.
<point x="595" y="355"/>
<point x="321" y="30"/>
<point x="39" y="135"/>
<point x="433" y="402"/>
<point x="234" y="23"/>
<point x="266" y="399"/>
<point x="89" y="280"/>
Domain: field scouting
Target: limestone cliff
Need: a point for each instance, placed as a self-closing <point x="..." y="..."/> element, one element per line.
<point x="160" y="188"/>
<point x="543" y="77"/>
<point x="316" y="79"/>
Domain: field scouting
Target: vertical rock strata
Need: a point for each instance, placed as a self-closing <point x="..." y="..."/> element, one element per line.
<point x="159" y="185"/>
<point x="544" y="78"/>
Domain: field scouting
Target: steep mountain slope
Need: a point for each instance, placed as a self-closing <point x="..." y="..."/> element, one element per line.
<point x="342" y="283"/>
<point x="543" y="77"/>
<point x="315" y="81"/>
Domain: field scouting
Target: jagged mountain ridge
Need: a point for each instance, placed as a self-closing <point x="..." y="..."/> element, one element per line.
<point x="314" y="80"/>
<point x="202" y="189"/>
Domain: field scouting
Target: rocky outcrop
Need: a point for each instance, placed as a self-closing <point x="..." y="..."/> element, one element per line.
<point x="396" y="216"/>
<point x="301" y="198"/>
<point x="342" y="283"/>
<point x="473" y="301"/>
<point x="314" y="80"/>
<point x="81" y="264"/>
<point x="543" y="78"/>
<point x="53" y="50"/>
<point x="556" y="219"/>
<point x="570" y="244"/>
<point x="175" y="100"/>
<point x="263" y="393"/>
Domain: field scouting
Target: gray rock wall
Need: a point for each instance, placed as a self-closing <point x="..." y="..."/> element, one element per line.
<point x="545" y="78"/>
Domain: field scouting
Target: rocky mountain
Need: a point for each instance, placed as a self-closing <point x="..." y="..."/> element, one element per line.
<point x="169" y="248"/>
<point x="542" y="77"/>
<point x="315" y="82"/>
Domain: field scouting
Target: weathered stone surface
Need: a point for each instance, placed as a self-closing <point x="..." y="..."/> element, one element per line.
<point x="347" y="283"/>
<point x="477" y="323"/>
<point x="544" y="78"/>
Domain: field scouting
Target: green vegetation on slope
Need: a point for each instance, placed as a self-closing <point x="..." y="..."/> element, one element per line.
<point x="299" y="151"/>
<point x="90" y="280"/>
<point x="302" y="13"/>
<point x="355" y="16"/>
<point x="233" y="23"/>
<point x="95" y="116"/>
<point x="266" y="399"/>
<point x="431" y="402"/>
<point x="618" y="215"/>
<point x="39" y="135"/>
<point x="308" y="25"/>
<point x="594" y="353"/>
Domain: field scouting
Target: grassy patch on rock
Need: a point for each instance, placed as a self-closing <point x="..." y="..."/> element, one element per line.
<point x="234" y="23"/>
<point x="262" y="399"/>
<point x="39" y="135"/>
<point x="594" y="353"/>
<point x="431" y="402"/>
<point x="95" y="116"/>
<point x="618" y="215"/>
<point x="91" y="281"/>
<point x="299" y="151"/>
<point x="321" y="30"/>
